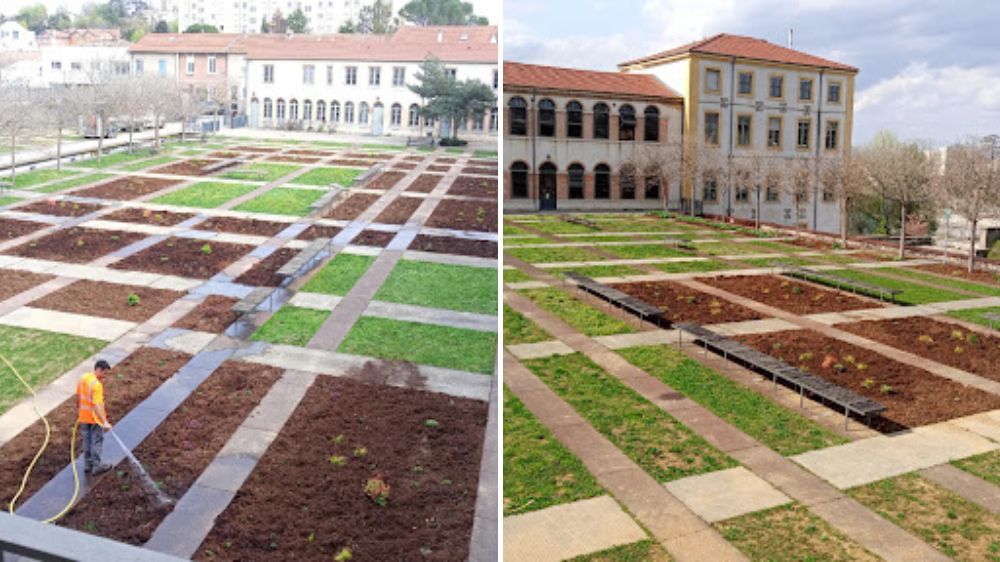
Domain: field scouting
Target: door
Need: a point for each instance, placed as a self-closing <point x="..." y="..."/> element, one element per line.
<point x="377" y="117"/>
<point x="445" y="132"/>
<point x="254" y="113"/>
<point x="547" y="188"/>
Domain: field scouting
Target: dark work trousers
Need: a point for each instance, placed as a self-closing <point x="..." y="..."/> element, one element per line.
<point x="93" y="440"/>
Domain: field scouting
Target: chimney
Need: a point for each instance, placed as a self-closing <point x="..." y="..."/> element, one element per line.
<point x="791" y="37"/>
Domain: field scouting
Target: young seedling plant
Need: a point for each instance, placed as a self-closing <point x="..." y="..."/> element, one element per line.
<point x="377" y="490"/>
<point x="133" y="299"/>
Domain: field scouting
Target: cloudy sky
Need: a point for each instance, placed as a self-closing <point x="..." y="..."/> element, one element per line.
<point x="929" y="69"/>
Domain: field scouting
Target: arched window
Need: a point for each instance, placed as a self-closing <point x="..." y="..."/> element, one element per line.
<point x="626" y="123"/>
<point x="281" y="109"/>
<point x="349" y="112"/>
<point x="268" y="108"/>
<point x="519" y="180"/>
<point x="626" y="182"/>
<point x="413" y="119"/>
<point x="307" y="110"/>
<point x="363" y="113"/>
<point x="651" y="125"/>
<point x="601" y="119"/>
<point x="546" y="118"/>
<point x="493" y="120"/>
<point x="396" y="115"/>
<point x="576" y="173"/>
<point x="293" y="110"/>
<point x="574" y="120"/>
<point x="602" y="182"/>
<point x="321" y="111"/>
<point x="652" y="190"/>
<point x="518" y="116"/>
<point x="334" y="112"/>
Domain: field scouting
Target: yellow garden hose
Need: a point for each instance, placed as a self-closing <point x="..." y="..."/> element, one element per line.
<point x="41" y="450"/>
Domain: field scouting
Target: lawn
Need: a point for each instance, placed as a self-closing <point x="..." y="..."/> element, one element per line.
<point x="517" y="329"/>
<point x="27" y="179"/>
<point x="597" y="270"/>
<point x="509" y="243"/>
<point x="339" y="275"/>
<point x="780" y="429"/>
<point x="261" y="171"/>
<point x="538" y="472"/>
<point x="9" y="200"/>
<point x="71" y="183"/>
<point x="383" y="147"/>
<point x="283" y="201"/>
<point x="205" y="195"/>
<point x="143" y="164"/>
<point x="783" y="260"/>
<point x="556" y="226"/>
<point x="515" y="276"/>
<point x="455" y="150"/>
<point x="111" y="160"/>
<point x="643" y="251"/>
<point x="325" y="176"/>
<point x="944" y="282"/>
<point x="581" y="316"/>
<point x="291" y="325"/>
<point x="39" y="357"/>
<point x="702" y="266"/>
<point x="435" y="285"/>
<point x="976" y="315"/>
<point x="426" y="344"/>
<point x="552" y="254"/>
<point x="642" y="551"/>
<point x="484" y="154"/>
<point x="652" y="438"/>
<point x="985" y="466"/>
<point x="742" y="248"/>
<point x="911" y="293"/>
<point x="511" y="230"/>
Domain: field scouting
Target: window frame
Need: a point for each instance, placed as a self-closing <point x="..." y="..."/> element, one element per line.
<point x="574" y="120"/>
<point x="350" y="75"/>
<point x="646" y="184"/>
<point x="781" y="132"/>
<point x="622" y="127"/>
<point x="518" y="121"/>
<point x="739" y="83"/>
<point x="189" y="65"/>
<point x="398" y="76"/>
<point x="709" y="179"/>
<point x="308" y="74"/>
<point x="604" y="130"/>
<point x="269" y="74"/>
<point x="749" y="117"/>
<point x="840" y="92"/>
<point x="770" y="88"/>
<point x="517" y="190"/>
<point x="396" y="115"/>
<point x="602" y="172"/>
<point x="826" y="135"/>
<point x="374" y="75"/>
<point x="798" y="133"/>
<point x="718" y="72"/>
<point x="413" y="116"/>
<point x="212" y="64"/>
<point x="718" y="127"/>
<point x="646" y="116"/>
<point x="547" y="120"/>
<point x="803" y="81"/>
<point x="576" y="178"/>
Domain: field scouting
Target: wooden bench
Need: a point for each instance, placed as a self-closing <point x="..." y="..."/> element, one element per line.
<point x="637" y="307"/>
<point x="304" y="261"/>
<point x="222" y="164"/>
<point x="883" y="293"/>
<point x="781" y="372"/>
<point x="991" y="317"/>
<point x="249" y="303"/>
<point x="420" y="141"/>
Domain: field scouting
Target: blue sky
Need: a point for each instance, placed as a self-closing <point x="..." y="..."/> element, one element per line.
<point x="929" y="70"/>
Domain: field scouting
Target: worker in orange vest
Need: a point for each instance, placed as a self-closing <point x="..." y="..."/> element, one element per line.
<point x="93" y="419"/>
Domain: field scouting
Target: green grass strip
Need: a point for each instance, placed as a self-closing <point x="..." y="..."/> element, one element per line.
<point x="25" y="180"/>
<point x="291" y="325"/>
<point x="71" y="183"/>
<point x="383" y="147"/>
<point x="693" y="266"/>
<point x="205" y="195"/>
<point x="642" y="551"/>
<point x="484" y="154"/>
<point x="261" y="171"/>
<point x="643" y="251"/>
<point x="977" y="315"/>
<point x="455" y="150"/>
<point x="339" y="275"/>
<point x="515" y="276"/>
<point x="325" y="176"/>
<point x="436" y="285"/>
<point x="152" y="162"/>
<point x="581" y="316"/>
<point x="112" y="160"/>
<point x="911" y="292"/>
<point x="425" y="344"/>
<point x="517" y="329"/>
<point x="552" y="254"/>
<point x="9" y="200"/>
<point x="985" y="466"/>
<point x="283" y="201"/>
<point x="943" y="282"/>
<point x="597" y="270"/>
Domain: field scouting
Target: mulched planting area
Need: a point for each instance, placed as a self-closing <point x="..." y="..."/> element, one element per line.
<point x="682" y="304"/>
<point x="185" y="257"/>
<point x="979" y="275"/>
<point x="480" y="171"/>
<point x="319" y="231"/>
<point x="60" y="208"/>
<point x="120" y="507"/>
<point x="292" y="159"/>
<point x="486" y="163"/>
<point x="127" y="188"/>
<point x="350" y="208"/>
<point x="242" y="226"/>
<point x="14" y="228"/>
<point x="350" y="162"/>
<point x="939" y="341"/>
<point x="425" y="183"/>
<point x="190" y="168"/>
<point x="404" y="166"/>
<point x="108" y="300"/>
<point x="913" y="396"/>
<point x="305" y="152"/>
<point x="789" y="295"/>
<point x="370" y="155"/>
<point x="76" y="245"/>
<point x="132" y="380"/>
<point x="306" y="500"/>
<point x="263" y="274"/>
<point x="13" y="282"/>
<point x="148" y="216"/>
<point x="377" y="238"/>
<point x="385" y="180"/>
<point x="438" y="168"/>
<point x="446" y="160"/>
<point x="212" y="315"/>
<point x="224" y="155"/>
<point x="256" y="149"/>
<point x="474" y="187"/>
<point x="399" y="211"/>
<point x="464" y="215"/>
<point x="452" y="245"/>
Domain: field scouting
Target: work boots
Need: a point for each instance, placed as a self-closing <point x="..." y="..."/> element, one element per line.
<point x="99" y="469"/>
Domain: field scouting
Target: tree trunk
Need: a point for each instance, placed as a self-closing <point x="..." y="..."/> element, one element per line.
<point x="843" y="223"/>
<point x="757" y="216"/>
<point x="902" y="229"/>
<point x="100" y="137"/>
<point x="156" y="133"/>
<point x="13" y="143"/>
<point x="59" y="136"/>
<point x="972" y="247"/>
<point x="131" y="129"/>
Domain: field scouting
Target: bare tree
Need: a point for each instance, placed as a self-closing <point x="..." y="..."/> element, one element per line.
<point x="100" y="99"/>
<point x="61" y="110"/>
<point x="653" y="161"/>
<point x="755" y="171"/>
<point x="162" y="100"/>
<point x="18" y="115"/>
<point x="969" y="183"/>
<point x="129" y="95"/>
<point x="848" y="180"/>
<point x="797" y="184"/>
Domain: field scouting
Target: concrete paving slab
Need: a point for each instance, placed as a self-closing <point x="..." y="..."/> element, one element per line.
<point x="539" y="350"/>
<point x="484" y="545"/>
<point x="436" y="316"/>
<point x="702" y="546"/>
<point x="520" y="285"/>
<point x="193" y="515"/>
<point x="223" y="289"/>
<point x="186" y="341"/>
<point x="723" y="494"/>
<point x="317" y="301"/>
<point x="450" y="259"/>
<point x="67" y="323"/>
<point x="650" y="337"/>
<point x="970" y="487"/>
<point x="986" y="424"/>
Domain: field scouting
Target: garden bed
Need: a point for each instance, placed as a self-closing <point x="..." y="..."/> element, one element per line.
<point x="479" y="171"/>
<point x="683" y="304"/>
<point x="245" y="148"/>
<point x="76" y="245"/>
<point x="452" y="245"/>
<point x="108" y="300"/>
<point x="385" y="180"/>
<point x="369" y="155"/>
<point x="425" y="183"/>
<point x="148" y="216"/>
<point x="399" y="211"/>
<point x="13" y="282"/>
<point x="425" y="446"/>
<point x="60" y="208"/>
<point x="979" y="276"/>
<point x="350" y="208"/>
<point x="127" y="188"/>
<point x="191" y="168"/>
<point x="913" y="396"/>
<point x="474" y="187"/>
<point x="185" y="257"/>
<point x="445" y="160"/>
<point x="350" y="162"/>
<point x="213" y="315"/>
<point x="319" y="231"/>
<point x="15" y="228"/>
<point x="404" y="166"/>
<point x="233" y="225"/>
<point x="226" y="155"/>
<point x="292" y="159"/>
<point x="378" y="238"/>
<point x="464" y="215"/>
<point x="264" y="273"/>
<point x="788" y="295"/>
<point x="438" y="168"/>
<point x="306" y="152"/>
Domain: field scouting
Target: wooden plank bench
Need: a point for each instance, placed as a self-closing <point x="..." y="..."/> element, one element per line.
<point x="304" y="260"/>
<point x="992" y="317"/>
<point x="223" y="164"/>
<point x="883" y="293"/>
<point x="250" y="302"/>
<point x="614" y="297"/>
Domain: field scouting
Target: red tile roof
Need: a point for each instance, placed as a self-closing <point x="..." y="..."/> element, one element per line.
<point x="188" y="43"/>
<point x="748" y="48"/>
<point x="516" y="75"/>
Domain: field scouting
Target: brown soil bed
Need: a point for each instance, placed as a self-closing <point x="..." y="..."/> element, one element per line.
<point x="14" y="228"/>
<point x="148" y="216"/>
<point x="256" y="149"/>
<point x="425" y="183"/>
<point x="223" y="155"/>
<point x="479" y="171"/>
<point x="404" y="166"/>
<point x="108" y="300"/>
<point x="297" y="492"/>
<point x="474" y="187"/>
<point x="399" y="211"/>
<point x="213" y="315"/>
<point x="446" y="160"/>
<point x="369" y="155"/>
<point x="481" y="162"/>
<point x="789" y="295"/>
<point x="465" y="215"/>
<point x="119" y="506"/>
<point x="452" y="245"/>
<point x="14" y="282"/>
<point x="60" y="208"/>
<point x="809" y="243"/>
<point x="350" y="162"/>
<point x="350" y="208"/>
<point x="127" y="188"/>
<point x="319" y="231"/>
<point x="187" y="168"/>
<point x="377" y="238"/>
<point x="306" y="152"/>
<point x="914" y="396"/>
<point x="184" y="257"/>
<point x="264" y="273"/>
<point x="979" y="275"/>
<point x="414" y="158"/>
<point x="242" y="226"/>
<point x="682" y="304"/>
<point x="438" y="168"/>
<point x="385" y="180"/>
<point x="292" y="159"/>
<point x="76" y="245"/>
<point x="131" y="381"/>
<point x="939" y="341"/>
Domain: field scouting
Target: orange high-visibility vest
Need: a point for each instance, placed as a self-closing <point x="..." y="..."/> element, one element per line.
<point x="90" y="393"/>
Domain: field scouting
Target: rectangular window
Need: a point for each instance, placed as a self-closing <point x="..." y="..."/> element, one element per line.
<point x="833" y="93"/>
<point x="451" y="73"/>
<point x="269" y="74"/>
<point x="138" y="68"/>
<point x="329" y="75"/>
<point x="76" y="66"/>
<point x="163" y="67"/>
<point x="190" y="64"/>
<point x="351" y="75"/>
<point x="802" y="138"/>
<point x="805" y="89"/>
<point x="772" y="191"/>
<point x="399" y="76"/>
<point x="308" y="74"/>
<point x="774" y="132"/>
<point x="56" y="65"/>
<point x="212" y="64"/>
<point x="746" y="84"/>
<point x="496" y="79"/>
<point x="828" y="194"/>
<point x="713" y="80"/>
<point x="777" y="87"/>
<point x="709" y="188"/>
<point x="712" y="128"/>
<point x="374" y="75"/>
<point x="743" y="130"/>
<point x="832" y="134"/>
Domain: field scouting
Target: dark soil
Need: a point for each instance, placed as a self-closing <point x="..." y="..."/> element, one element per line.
<point x="939" y="341"/>
<point x="108" y="300"/>
<point x="223" y="155"/>
<point x="185" y="257"/>
<point x="481" y="162"/>
<point x="131" y="382"/>
<point x="213" y="315"/>
<point x="979" y="275"/>
<point x="425" y="183"/>
<point x="452" y="245"/>
<point x="414" y="158"/>
<point x="192" y="168"/>
<point x="404" y="166"/>
<point x="306" y="152"/>
<point x="370" y="155"/>
<point x="256" y="149"/>
<point x="480" y="171"/>
<point x="399" y="211"/>
<point x="350" y="162"/>
<point x="914" y="397"/>
<point x="385" y="180"/>
<point x="148" y="216"/>
<point x="465" y="215"/>
<point x="60" y="208"/>
<point x="682" y="304"/>
<point x="242" y="226"/>
<point x="373" y="238"/>
<point x="788" y="295"/>
<point x="350" y="208"/>
<point x="76" y="245"/>
<point x="297" y="492"/>
<point x="14" y="282"/>
<point x="474" y="187"/>
<point x="319" y="231"/>
<point x="127" y="188"/>
<point x="446" y="160"/>
<point x="292" y="159"/>
<point x="438" y="168"/>
<point x="809" y="243"/>
<point x="120" y="507"/>
<point x="263" y="274"/>
<point x="15" y="228"/>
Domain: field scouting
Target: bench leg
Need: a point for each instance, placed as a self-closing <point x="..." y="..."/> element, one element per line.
<point x="847" y="417"/>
